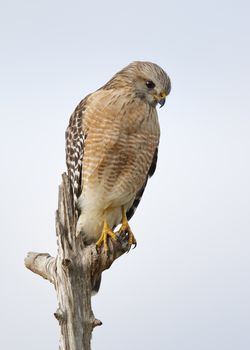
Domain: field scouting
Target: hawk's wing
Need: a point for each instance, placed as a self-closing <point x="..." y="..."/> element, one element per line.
<point x="132" y="209"/>
<point x="75" y="137"/>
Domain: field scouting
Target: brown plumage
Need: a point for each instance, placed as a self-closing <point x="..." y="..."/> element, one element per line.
<point x="111" y="148"/>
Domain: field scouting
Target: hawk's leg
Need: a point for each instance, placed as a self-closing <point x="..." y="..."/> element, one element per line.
<point x="106" y="231"/>
<point x="125" y="228"/>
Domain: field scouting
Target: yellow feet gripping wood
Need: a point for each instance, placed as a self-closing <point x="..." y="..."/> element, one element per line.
<point x="106" y="232"/>
<point x="126" y="229"/>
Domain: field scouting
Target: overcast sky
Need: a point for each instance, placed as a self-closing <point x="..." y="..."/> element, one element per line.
<point x="187" y="284"/>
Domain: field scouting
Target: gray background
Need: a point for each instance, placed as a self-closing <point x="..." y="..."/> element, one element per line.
<point x="186" y="286"/>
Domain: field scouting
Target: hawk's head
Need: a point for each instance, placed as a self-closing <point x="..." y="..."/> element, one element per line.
<point x="149" y="81"/>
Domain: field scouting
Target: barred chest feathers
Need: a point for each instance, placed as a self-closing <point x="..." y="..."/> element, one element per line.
<point x="117" y="156"/>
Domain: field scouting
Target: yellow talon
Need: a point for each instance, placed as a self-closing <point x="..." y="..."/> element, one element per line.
<point x="106" y="231"/>
<point x="126" y="228"/>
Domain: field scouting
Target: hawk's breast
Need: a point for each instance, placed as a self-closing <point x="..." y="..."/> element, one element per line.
<point x="118" y="152"/>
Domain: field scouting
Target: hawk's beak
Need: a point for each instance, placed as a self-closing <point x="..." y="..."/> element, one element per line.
<point x="162" y="98"/>
<point x="162" y="102"/>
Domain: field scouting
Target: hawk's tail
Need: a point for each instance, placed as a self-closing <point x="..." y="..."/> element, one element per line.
<point x="96" y="284"/>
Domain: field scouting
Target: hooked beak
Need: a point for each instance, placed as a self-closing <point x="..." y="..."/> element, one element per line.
<point x="161" y="99"/>
<point x="162" y="102"/>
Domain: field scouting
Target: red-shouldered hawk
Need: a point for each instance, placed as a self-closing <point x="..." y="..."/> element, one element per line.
<point x="111" y="149"/>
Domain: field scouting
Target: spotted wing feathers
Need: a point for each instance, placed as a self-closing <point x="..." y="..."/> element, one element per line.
<point x="75" y="137"/>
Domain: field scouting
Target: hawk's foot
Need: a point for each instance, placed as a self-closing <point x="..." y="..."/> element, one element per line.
<point x="125" y="228"/>
<point x="106" y="232"/>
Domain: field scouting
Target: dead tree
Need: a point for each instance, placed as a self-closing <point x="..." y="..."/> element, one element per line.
<point x="73" y="272"/>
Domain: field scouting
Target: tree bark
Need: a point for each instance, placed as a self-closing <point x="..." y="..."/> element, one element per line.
<point x="73" y="272"/>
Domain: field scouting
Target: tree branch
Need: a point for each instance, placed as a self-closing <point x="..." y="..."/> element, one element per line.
<point x="42" y="264"/>
<point x="73" y="273"/>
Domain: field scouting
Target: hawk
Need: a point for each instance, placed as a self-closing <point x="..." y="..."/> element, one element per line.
<point x="111" y="149"/>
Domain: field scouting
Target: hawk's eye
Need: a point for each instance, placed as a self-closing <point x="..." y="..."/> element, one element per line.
<point x="150" y="84"/>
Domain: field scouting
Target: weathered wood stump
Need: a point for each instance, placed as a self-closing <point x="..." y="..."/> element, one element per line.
<point x="73" y="272"/>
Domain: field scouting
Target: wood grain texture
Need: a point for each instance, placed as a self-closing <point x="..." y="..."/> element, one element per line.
<point x="73" y="273"/>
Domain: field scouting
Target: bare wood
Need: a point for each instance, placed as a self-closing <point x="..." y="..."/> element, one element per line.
<point x="42" y="264"/>
<point x="73" y="273"/>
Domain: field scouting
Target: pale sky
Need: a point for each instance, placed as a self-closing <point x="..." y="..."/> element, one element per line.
<point x="187" y="284"/>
